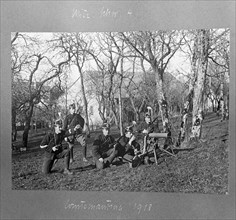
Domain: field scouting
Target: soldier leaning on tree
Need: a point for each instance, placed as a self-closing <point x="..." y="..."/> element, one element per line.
<point x="73" y="127"/>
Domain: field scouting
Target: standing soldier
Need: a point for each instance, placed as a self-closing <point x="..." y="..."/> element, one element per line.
<point x="146" y="128"/>
<point x="73" y="126"/>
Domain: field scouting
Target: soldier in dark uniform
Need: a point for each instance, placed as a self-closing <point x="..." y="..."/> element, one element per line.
<point x="106" y="149"/>
<point x="73" y="127"/>
<point x="149" y="127"/>
<point x="103" y="148"/>
<point x="52" y="143"/>
<point x="127" y="147"/>
<point x="146" y="128"/>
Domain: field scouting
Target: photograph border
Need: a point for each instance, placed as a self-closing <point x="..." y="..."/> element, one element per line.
<point x="96" y="16"/>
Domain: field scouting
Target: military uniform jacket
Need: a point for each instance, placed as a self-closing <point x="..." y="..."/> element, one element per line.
<point x="51" y="139"/>
<point x="124" y="143"/>
<point x="102" y="144"/>
<point x="71" y="121"/>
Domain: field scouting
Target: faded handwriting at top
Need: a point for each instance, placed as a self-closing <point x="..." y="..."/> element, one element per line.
<point x="104" y="12"/>
<point x="80" y="13"/>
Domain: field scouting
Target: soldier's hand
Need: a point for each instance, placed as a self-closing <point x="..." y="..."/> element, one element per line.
<point x="55" y="148"/>
<point x="145" y="131"/>
<point x="66" y="138"/>
<point x="100" y="159"/>
<point x="77" y="127"/>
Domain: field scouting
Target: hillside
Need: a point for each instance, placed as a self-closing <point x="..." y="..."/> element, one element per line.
<point x="200" y="167"/>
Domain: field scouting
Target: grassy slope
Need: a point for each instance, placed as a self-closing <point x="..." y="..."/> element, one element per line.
<point x="202" y="170"/>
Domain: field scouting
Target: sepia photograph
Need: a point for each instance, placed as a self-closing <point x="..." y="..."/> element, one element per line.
<point x="133" y="111"/>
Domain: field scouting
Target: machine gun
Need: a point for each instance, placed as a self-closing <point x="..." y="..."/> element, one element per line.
<point x="138" y="159"/>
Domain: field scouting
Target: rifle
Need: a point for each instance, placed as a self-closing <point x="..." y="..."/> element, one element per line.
<point x="58" y="145"/>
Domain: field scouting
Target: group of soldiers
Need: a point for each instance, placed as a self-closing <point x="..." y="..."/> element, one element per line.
<point x="104" y="150"/>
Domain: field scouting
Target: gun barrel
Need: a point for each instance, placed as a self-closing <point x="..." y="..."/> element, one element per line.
<point x="158" y="135"/>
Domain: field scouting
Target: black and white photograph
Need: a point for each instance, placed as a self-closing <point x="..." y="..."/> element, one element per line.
<point x="138" y="111"/>
<point x="117" y="109"/>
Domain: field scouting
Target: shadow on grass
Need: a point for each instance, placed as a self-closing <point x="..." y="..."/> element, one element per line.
<point x="86" y="168"/>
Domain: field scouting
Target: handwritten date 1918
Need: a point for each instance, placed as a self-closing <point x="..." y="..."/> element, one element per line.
<point x="142" y="207"/>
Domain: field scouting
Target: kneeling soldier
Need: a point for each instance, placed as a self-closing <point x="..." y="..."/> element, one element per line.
<point x="52" y="143"/>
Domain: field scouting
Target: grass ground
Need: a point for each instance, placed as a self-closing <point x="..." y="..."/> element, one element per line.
<point x="201" y="167"/>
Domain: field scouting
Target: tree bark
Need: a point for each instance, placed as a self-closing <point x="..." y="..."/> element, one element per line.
<point x="14" y="128"/>
<point x="203" y="36"/>
<point x="222" y="99"/>
<point x="27" y="126"/>
<point x="120" y="113"/>
<point x="84" y="99"/>
<point x="163" y="106"/>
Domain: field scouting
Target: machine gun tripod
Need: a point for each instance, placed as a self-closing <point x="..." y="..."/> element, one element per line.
<point x="151" y="145"/>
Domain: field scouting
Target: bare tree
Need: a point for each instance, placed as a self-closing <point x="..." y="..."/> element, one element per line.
<point x="156" y="48"/>
<point x="77" y="45"/>
<point x="219" y="57"/>
<point x="107" y="65"/>
<point x="31" y="70"/>
<point x="203" y="47"/>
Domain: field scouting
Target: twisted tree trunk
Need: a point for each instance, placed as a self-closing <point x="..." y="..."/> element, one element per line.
<point x="203" y="36"/>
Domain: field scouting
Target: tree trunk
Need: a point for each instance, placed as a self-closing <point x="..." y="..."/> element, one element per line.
<point x="84" y="100"/>
<point x="163" y="107"/>
<point x="222" y="100"/>
<point x="14" y="129"/>
<point x="101" y="113"/>
<point x="200" y="84"/>
<point x="120" y="113"/>
<point x="135" y="111"/>
<point x="27" y="126"/>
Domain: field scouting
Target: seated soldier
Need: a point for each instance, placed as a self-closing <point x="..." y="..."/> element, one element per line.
<point x="106" y="149"/>
<point x="127" y="147"/>
<point x="52" y="143"/>
<point x="103" y="148"/>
